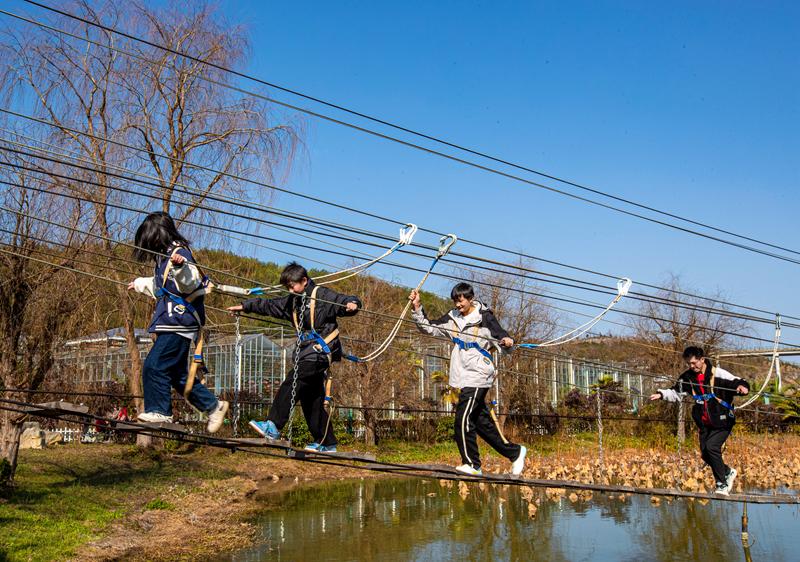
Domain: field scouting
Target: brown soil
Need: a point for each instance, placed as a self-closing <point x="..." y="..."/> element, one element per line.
<point x="214" y="516"/>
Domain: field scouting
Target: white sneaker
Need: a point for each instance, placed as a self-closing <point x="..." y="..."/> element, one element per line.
<point x="467" y="469"/>
<point x="730" y="479"/>
<point x="518" y="465"/>
<point x="721" y="489"/>
<point x="153" y="417"/>
<point x="216" y="417"/>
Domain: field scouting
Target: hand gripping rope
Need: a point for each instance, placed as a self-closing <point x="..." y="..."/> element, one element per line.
<point x="407" y="233"/>
<point x="623" y="286"/>
<point x="445" y="243"/>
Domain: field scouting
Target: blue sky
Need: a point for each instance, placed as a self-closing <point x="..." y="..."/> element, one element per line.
<point x="690" y="107"/>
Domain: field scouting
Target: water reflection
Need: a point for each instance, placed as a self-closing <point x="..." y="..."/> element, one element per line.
<point x="413" y="519"/>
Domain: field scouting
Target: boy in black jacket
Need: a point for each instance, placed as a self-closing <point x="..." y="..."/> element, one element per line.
<point x="713" y="390"/>
<point x="313" y="310"/>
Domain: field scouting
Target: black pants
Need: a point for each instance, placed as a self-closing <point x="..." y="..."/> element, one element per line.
<point x="711" y="441"/>
<point x="310" y="392"/>
<point x="472" y="417"/>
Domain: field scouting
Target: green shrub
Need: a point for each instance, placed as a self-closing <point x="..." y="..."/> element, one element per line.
<point x="445" y="429"/>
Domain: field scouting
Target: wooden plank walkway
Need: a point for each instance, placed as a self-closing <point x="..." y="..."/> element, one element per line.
<point x="65" y="409"/>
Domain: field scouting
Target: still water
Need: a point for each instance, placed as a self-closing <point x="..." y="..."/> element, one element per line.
<point x="412" y="519"/>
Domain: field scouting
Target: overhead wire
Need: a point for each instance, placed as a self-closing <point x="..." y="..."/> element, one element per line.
<point x="455" y="253"/>
<point x="511" y="371"/>
<point x="404" y="142"/>
<point x="128" y="208"/>
<point x="280" y="226"/>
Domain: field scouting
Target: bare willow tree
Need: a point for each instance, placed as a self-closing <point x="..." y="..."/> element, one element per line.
<point x="37" y="295"/>
<point x="670" y="320"/>
<point x="127" y="127"/>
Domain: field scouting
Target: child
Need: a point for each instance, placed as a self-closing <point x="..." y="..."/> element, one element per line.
<point x="713" y="390"/>
<point x="177" y="320"/>
<point x="313" y="309"/>
<point x="472" y="327"/>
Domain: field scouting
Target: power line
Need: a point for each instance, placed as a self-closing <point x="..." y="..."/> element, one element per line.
<point x="395" y="221"/>
<point x="499" y="370"/>
<point x="114" y="205"/>
<point x="422" y="135"/>
<point x="281" y="225"/>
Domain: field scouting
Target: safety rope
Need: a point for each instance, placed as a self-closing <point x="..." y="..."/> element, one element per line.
<point x="776" y="357"/>
<point x="445" y="243"/>
<point x="237" y="369"/>
<point x="623" y="286"/>
<point x="407" y="233"/>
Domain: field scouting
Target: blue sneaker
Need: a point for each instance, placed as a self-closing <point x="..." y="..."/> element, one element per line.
<point x="266" y="429"/>
<point x="327" y="449"/>
<point x="313" y="446"/>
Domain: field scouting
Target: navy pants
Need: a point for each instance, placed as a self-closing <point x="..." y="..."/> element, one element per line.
<point x="711" y="441"/>
<point x="473" y="419"/>
<point x="310" y="392"/>
<point x="167" y="367"/>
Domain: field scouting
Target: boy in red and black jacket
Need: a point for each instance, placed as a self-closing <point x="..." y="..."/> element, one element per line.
<point x="713" y="390"/>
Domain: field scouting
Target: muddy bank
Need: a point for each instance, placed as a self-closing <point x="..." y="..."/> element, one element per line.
<point x="202" y="517"/>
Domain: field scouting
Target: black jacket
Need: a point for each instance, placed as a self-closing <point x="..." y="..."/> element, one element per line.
<point x="725" y="385"/>
<point x="325" y="316"/>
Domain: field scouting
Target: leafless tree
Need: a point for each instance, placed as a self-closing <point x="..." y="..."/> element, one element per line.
<point x="667" y="329"/>
<point x="37" y="296"/>
<point x="132" y="126"/>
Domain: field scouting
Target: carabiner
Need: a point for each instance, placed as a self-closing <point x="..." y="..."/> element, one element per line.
<point x="445" y="243"/>
<point x="623" y="285"/>
<point x="407" y="233"/>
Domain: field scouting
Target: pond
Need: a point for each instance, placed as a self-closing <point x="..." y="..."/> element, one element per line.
<point x="414" y="519"/>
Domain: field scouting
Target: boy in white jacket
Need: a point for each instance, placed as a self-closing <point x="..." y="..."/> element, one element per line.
<point x="474" y="330"/>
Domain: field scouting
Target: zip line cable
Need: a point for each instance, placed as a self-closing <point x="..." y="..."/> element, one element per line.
<point x="437" y="233"/>
<point x="138" y="264"/>
<point x="279" y="227"/>
<point x="413" y="145"/>
<point x="113" y="205"/>
<point x="500" y="369"/>
<point x="407" y="267"/>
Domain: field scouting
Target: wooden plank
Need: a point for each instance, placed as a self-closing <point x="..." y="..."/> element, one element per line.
<point x="257" y="442"/>
<point x="141" y="426"/>
<point x="56" y="407"/>
<point x="350" y="455"/>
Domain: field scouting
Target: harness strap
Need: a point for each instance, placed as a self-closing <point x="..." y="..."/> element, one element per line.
<point x="463" y="345"/>
<point x="198" y="363"/>
<point x="308" y="335"/>
<point x="710" y="395"/>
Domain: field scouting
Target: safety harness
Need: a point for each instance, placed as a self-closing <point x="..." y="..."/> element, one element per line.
<point x="198" y="364"/>
<point x="710" y="395"/>
<point x="303" y="336"/>
<point x="464" y="345"/>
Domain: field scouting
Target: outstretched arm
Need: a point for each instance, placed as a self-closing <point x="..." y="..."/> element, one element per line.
<point x="144" y="285"/>
<point x="675" y="394"/>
